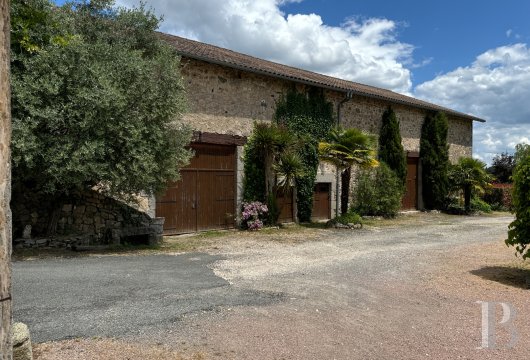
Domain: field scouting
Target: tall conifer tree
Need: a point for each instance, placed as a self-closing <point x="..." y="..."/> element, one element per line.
<point x="434" y="155"/>
<point x="390" y="147"/>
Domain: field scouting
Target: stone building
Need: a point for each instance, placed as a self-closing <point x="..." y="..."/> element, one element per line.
<point x="5" y="186"/>
<point x="228" y="91"/>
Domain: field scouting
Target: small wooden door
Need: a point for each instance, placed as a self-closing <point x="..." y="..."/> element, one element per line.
<point x="410" y="199"/>
<point x="285" y="205"/>
<point x="321" y="202"/>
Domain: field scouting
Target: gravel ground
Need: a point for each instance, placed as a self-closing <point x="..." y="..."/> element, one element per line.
<point x="406" y="291"/>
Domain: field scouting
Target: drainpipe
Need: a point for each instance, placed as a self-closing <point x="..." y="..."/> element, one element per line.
<point x="348" y="96"/>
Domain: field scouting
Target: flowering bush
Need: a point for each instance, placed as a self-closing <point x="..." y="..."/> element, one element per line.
<point x="253" y="215"/>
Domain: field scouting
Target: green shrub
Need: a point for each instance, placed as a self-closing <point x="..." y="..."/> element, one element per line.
<point x="351" y="217"/>
<point x="519" y="229"/>
<point x="378" y="193"/>
<point x="455" y="205"/>
<point x="499" y="197"/>
<point x="254" y="169"/>
<point x="479" y="205"/>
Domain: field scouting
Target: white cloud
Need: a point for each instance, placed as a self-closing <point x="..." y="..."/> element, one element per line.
<point x="509" y="32"/>
<point x="496" y="87"/>
<point x="366" y="51"/>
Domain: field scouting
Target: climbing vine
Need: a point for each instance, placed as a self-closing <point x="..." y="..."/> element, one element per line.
<point x="310" y="116"/>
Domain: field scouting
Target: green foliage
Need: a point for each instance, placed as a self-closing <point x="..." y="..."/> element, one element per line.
<point x="390" y="147"/>
<point x="274" y="209"/>
<point x="522" y="152"/>
<point x="502" y="167"/>
<point x="306" y="183"/>
<point x="434" y="155"/>
<point x="378" y="192"/>
<point x="479" y="205"/>
<point x="348" y="147"/>
<point x="310" y="117"/>
<point x="288" y="167"/>
<point x="350" y="217"/>
<point x="519" y="229"/>
<point x="470" y="176"/>
<point x="96" y="100"/>
<point x="455" y="205"/>
<point x="499" y="198"/>
<point x="306" y="114"/>
<point x="254" y="168"/>
<point x="272" y="163"/>
<point x="344" y="149"/>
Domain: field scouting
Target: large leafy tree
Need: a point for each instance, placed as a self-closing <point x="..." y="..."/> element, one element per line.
<point x="390" y="147"/>
<point x="502" y="167"/>
<point x="434" y="155"/>
<point x="469" y="175"/>
<point x="519" y="229"/>
<point x="97" y="99"/>
<point x="344" y="149"/>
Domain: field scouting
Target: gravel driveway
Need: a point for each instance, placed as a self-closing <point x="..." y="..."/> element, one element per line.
<point x="380" y="293"/>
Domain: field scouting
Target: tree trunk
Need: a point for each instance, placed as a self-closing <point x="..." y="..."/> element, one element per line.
<point x="5" y="186"/>
<point x="295" y="204"/>
<point x="345" y="191"/>
<point x="467" y="198"/>
<point x="269" y="176"/>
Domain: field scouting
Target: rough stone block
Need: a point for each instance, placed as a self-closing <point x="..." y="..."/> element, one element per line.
<point x="21" y="342"/>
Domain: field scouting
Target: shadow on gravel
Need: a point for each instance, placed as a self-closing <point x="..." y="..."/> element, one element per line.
<point x="506" y="275"/>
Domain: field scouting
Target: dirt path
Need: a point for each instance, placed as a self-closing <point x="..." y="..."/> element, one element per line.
<point x="407" y="291"/>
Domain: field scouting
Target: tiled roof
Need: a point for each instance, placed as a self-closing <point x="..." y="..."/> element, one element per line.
<point x="213" y="54"/>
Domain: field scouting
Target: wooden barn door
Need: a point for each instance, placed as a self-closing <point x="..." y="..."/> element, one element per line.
<point x="410" y="199"/>
<point x="204" y="197"/>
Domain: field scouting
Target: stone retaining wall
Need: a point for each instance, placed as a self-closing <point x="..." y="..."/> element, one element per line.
<point x="88" y="218"/>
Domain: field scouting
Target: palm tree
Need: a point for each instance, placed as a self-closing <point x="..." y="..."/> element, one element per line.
<point x="469" y="175"/>
<point x="288" y="168"/>
<point x="272" y="140"/>
<point x="344" y="149"/>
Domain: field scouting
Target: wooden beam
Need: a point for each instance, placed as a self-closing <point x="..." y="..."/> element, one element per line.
<point x="219" y="139"/>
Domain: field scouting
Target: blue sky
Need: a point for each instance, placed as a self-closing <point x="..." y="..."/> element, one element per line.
<point x="471" y="56"/>
<point x="447" y="33"/>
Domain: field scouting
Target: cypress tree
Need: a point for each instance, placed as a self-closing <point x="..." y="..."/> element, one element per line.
<point x="434" y="155"/>
<point x="391" y="150"/>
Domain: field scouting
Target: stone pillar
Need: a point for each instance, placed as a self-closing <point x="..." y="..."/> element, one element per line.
<point x="5" y="186"/>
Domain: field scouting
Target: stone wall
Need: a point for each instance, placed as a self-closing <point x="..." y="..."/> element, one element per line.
<point x="88" y="218"/>
<point x="228" y="101"/>
<point x="5" y="187"/>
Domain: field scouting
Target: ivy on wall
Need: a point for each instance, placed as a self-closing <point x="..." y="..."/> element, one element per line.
<point x="254" y="168"/>
<point x="310" y="116"/>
